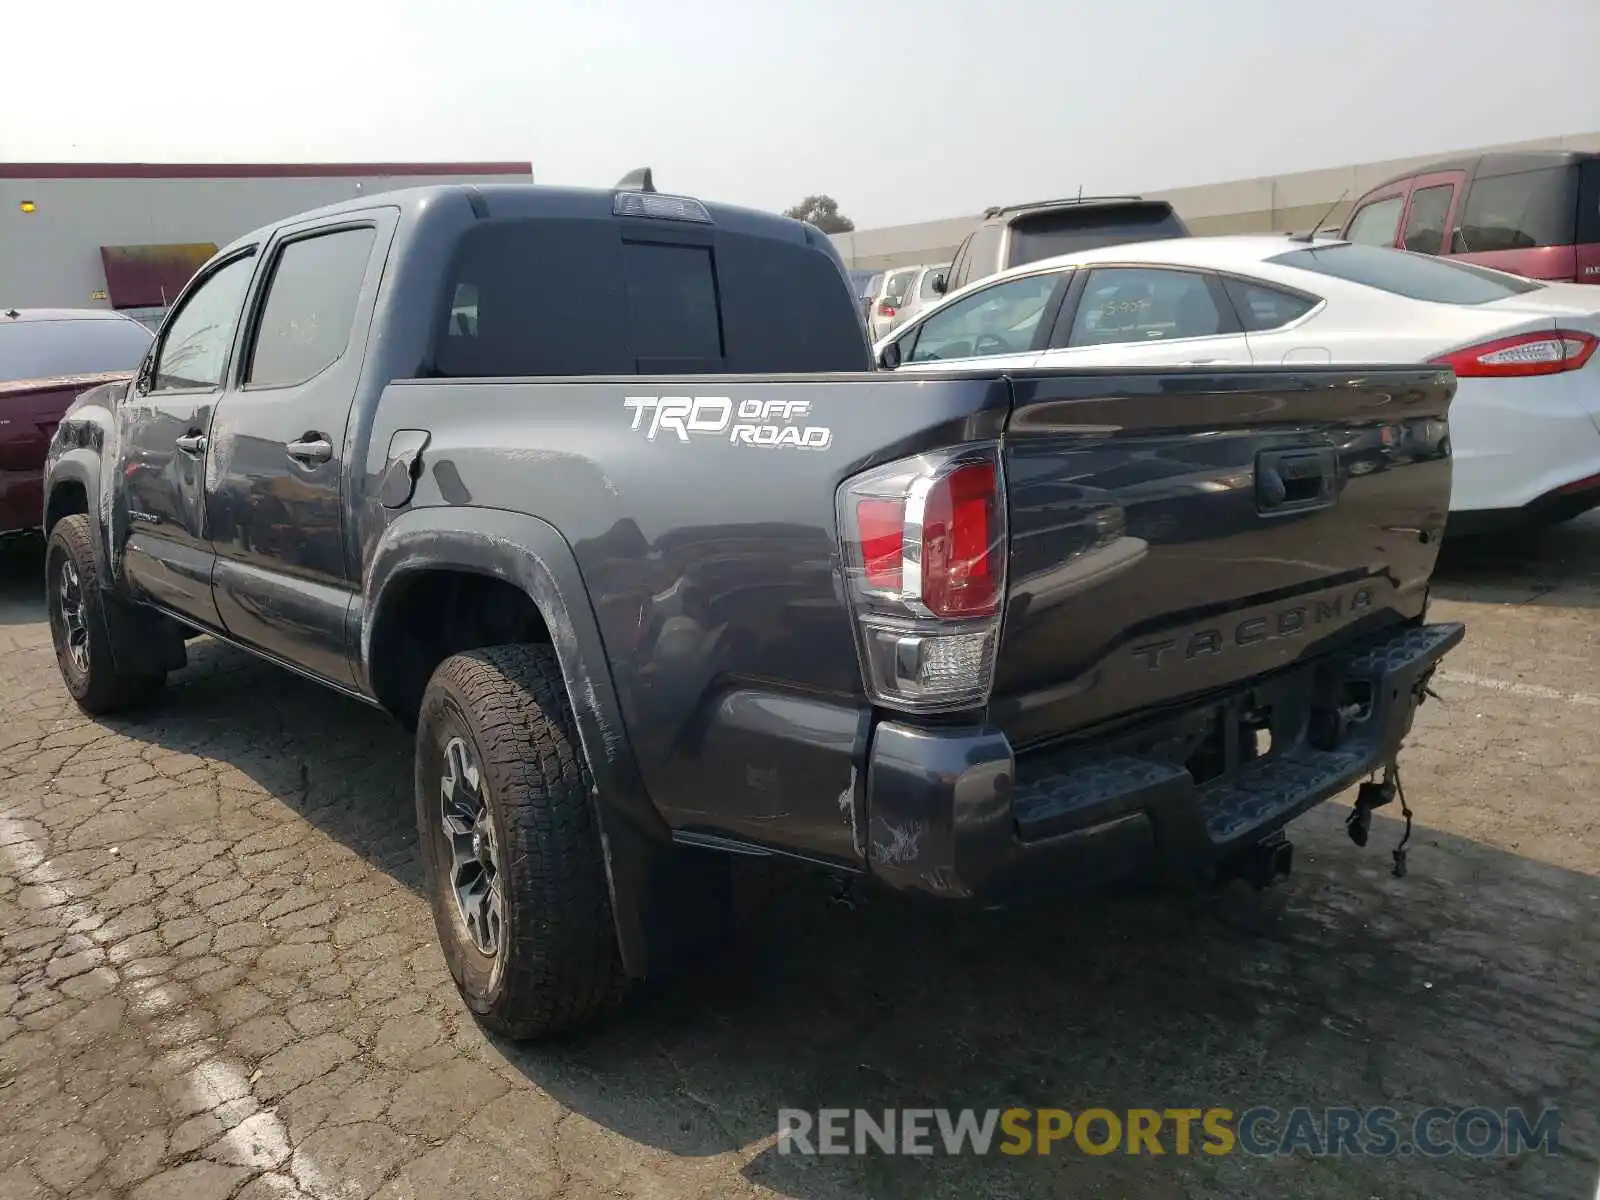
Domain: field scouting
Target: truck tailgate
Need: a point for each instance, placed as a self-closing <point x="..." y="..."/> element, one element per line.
<point x="1173" y="535"/>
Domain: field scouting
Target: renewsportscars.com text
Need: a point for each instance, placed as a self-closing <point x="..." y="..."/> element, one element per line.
<point x="1260" y="1131"/>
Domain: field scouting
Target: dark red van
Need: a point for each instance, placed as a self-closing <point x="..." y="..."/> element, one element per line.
<point x="1534" y="213"/>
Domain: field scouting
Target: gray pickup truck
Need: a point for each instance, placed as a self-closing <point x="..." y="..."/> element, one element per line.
<point x="598" y="491"/>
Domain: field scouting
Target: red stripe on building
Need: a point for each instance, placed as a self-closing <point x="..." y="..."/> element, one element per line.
<point x="255" y="170"/>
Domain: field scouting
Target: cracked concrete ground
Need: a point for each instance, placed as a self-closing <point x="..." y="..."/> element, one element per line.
<point x="218" y="979"/>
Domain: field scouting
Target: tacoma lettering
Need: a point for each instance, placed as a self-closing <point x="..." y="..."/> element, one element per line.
<point x="1253" y="631"/>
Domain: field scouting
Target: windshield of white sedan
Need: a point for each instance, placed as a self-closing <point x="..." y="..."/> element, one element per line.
<point x="1417" y="276"/>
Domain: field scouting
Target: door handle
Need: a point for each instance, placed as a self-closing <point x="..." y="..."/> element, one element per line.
<point x="192" y="443"/>
<point x="312" y="449"/>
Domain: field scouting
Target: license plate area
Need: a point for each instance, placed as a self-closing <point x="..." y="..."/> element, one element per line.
<point x="1289" y="481"/>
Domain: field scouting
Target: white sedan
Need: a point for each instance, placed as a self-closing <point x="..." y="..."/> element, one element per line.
<point x="1525" y="425"/>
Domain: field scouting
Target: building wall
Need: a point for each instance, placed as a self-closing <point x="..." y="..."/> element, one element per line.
<point x="1262" y="205"/>
<point x="50" y="257"/>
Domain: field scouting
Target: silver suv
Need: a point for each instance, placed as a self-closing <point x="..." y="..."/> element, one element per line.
<point x="1012" y="235"/>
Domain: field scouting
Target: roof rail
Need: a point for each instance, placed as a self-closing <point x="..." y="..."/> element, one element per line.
<point x="999" y="209"/>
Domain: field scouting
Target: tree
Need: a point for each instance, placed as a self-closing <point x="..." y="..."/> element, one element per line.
<point x="823" y="212"/>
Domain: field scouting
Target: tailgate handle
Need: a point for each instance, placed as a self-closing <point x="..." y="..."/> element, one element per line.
<point x="1296" y="480"/>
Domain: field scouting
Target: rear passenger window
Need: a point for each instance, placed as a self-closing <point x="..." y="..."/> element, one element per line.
<point x="1376" y="224"/>
<point x="1425" y="221"/>
<point x="1518" y="212"/>
<point x="1261" y="308"/>
<point x="310" y="308"/>
<point x="1137" y="304"/>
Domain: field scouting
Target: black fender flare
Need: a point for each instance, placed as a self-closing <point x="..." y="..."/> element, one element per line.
<point x="83" y="467"/>
<point x="149" y="642"/>
<point x="532" y="555"/>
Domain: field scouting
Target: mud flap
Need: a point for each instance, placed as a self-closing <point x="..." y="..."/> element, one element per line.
<point x="670" y="902"/>
<point x="143" y="641"/>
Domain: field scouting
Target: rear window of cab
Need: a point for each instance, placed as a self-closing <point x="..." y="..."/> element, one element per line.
<point x="1416" y="276"/>
<point x="579" y="297"/>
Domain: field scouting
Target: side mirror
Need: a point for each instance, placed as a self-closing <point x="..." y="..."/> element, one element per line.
<point x="141" y="381"/>
<point x="889" y="356"/>
<point x="940" y="283"/>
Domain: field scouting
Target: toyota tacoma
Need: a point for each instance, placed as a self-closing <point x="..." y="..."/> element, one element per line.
<point x="598" y="492"/>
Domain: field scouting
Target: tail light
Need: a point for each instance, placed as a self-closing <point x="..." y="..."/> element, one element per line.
<point x="1546" y="353"/>
<point x="924" y="551"/>
<point x="886" y="309"/>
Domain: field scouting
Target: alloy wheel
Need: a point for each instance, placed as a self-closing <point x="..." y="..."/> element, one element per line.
<point x="74" y="622"/>
<point x="468" y="827"/>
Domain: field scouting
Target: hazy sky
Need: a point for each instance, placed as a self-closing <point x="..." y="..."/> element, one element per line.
<point x="902" y="111"/>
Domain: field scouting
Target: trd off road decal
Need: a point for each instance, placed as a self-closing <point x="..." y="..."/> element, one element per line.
<point x="769" y="424"/>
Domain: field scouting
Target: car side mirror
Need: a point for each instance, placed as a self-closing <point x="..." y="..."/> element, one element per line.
<point x="141" y="381"/>
<point x="940" y="283"/>
<point x="889" y="356"/>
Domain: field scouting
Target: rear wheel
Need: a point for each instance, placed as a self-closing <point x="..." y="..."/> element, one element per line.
<point x="515" y="871"/>
<point x="94" y="631"/>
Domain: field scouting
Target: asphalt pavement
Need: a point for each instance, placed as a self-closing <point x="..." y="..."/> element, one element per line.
<point x="218" y="977"/>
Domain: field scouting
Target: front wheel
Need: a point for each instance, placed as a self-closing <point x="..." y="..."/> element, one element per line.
<point x="94" y="632"/>
<point x="515" y="870"/>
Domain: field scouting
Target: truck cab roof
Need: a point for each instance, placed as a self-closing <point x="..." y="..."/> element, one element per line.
<point x="525" y="200"/>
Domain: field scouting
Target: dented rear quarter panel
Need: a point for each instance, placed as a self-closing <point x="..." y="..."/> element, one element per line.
<point x="710" y="565"/>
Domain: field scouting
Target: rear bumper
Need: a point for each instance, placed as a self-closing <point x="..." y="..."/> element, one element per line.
<point x="1560" y="504"/>
<point x="1515" y="443"/>
<point x="955" y="813"/>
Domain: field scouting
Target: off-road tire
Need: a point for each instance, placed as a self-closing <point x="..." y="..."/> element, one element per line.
<point x="106" y="684"/>
<point x="557" y="965"/>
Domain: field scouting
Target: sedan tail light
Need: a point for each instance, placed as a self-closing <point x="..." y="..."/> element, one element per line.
<point x="924" y="550"/>
<point x="1546" y="353"/>
<point x="886" y="309"/>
